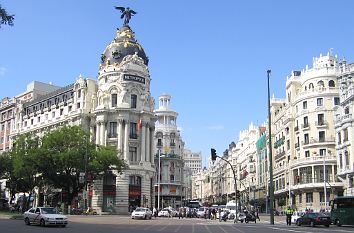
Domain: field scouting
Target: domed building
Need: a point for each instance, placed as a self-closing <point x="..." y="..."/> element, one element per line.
<point x="124" y="118"/>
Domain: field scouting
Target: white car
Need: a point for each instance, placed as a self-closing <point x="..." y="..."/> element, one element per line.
<point x="164" y="213"/>
<point x="201" y="212"/>
<point x="44" y="216"/>
<point x="140" y="212"/>
<point x="296" y="216"/>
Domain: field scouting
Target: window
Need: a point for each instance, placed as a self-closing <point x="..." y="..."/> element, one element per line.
<point x="304" y="105"/>
<point x="133" y="99"/>
<point x="61" y="111"/>
<point x="340" y="161"/>
<point x="306" y="122"/>
<point x="307" y="153"/>
<point x="1" y="140"/>
<point x="172" y="178"/>
<point x="114" y="100"/>
<point x="339" y="138"/>
<point x="321" y="136"/>
<point x="38" y="119"/>
<point x="346" y="110"/>
<point x="53" y="114"/>
<point x="79" y="94"/>
<point x="2" y="127"/>
<point x="31" y="121"/>
<point x="300" y="198"/>
<point x="320" y="119"/>
<point x="112" y="130"/>
<point x="319" y="101"/>
<point x="78" y="106"/>
<point x="320" y="83"/>
<point x="346" y="157"/>
<point x="345" y="134"/>
<point x="336" y="101"/>
<point x="311" y="86"/>
<point x="133" y="130"/>
<point x="331" y="83"/>
<point x="309" y="197"/>
<point x="133" y="155"/>
<point x="322" y="152"/>
<point x="306" y="139"/>
<point x="159" y="142"/>
<point x="134" y="180"/>
<point x="70" y="108"/>
<point x="288" y="144"/>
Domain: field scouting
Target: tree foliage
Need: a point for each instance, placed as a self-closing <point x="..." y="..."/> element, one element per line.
<point x="5" y="18"/>
<point x="57" y="160"/>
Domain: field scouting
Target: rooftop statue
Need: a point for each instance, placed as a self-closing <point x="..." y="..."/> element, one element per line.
<point x="127" y="13"/>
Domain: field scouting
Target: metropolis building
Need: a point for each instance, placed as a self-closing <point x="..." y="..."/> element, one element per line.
<point x="117" y="110"/>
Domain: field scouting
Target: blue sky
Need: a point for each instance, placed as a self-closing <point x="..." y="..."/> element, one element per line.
<point x="211" y="56"/>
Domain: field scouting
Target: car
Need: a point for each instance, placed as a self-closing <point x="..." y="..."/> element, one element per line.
<point x="174" y="213"/>
<point x="164" y="213"/>
<point x="140" y="212"/>
<point x="201" y="212"/>
<point x="45" y="216"/>
<point x="296" y="215"/>
<point x="314" y="219"/>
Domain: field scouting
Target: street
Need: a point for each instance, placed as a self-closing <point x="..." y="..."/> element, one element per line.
<point x="97" y="224"/>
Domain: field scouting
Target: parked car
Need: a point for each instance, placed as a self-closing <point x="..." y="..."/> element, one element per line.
<point x="314" y="219"/>
<point x="144" y="213"/>
<point x="296" y="215"/>
<point x="44" y="216"/>
<point x="174" y="213"/>
<point x="164" y="213"/>
<point x="201" y="212"/>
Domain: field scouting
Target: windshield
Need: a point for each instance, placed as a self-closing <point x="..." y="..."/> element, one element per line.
<point x="201" y="209"/>
<point x="49" y="211"/>
<point x="140" y="210"/>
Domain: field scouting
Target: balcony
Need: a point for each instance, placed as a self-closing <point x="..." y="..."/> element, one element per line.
<point x="305" y="126"/>
<point x="321" y="124"/>
<point x="280" y="155"/>
<point x="313" y="159"/>
<point x="112" y="135"/>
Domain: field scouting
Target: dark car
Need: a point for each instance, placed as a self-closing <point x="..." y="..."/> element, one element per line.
<point x="314" y="219"/>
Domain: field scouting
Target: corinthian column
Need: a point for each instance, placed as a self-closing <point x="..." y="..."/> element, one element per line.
<point x="148" y="152"/>
<point x="98" y="133"/>
<point x="120" y="135"/>
<point x="126" y="141"/>
<point x="102" y="138"/>
<point x="142" y="144"/>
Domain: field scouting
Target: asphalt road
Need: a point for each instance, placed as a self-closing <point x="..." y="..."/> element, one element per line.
<point x="107" y="224"/>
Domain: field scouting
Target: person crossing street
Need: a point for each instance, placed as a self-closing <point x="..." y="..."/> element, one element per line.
<point x="289" y="213"/>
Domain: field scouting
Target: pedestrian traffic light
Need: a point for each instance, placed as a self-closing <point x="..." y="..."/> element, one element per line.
<point x="213" y="154"/>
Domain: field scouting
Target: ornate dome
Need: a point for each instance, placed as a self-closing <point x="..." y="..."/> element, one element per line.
<point x="124" y="44"/>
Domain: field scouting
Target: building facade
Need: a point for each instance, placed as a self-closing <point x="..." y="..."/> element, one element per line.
<point x="168" y="152"/>
<point x="344" y="128"/>
<point x="305" y="165"/>
<point x="193" y="160"/>
<point x="117" y="110"/>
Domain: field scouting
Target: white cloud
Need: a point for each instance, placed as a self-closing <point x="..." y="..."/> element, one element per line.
<point x="2" y="71"/>
<point x="216" y="127"/>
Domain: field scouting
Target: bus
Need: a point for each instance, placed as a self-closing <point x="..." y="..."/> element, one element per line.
<point x="342" y="210"/>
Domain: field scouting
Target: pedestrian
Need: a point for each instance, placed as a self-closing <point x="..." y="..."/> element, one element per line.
<point x="154" y="212"/>
<point x="289" y="213"/>
<point x="180" y="213"/>
<point x="257" y="216"/>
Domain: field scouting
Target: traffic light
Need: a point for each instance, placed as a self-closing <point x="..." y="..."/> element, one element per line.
<point x="238" y="194"/>
<point x="213" y="154"/>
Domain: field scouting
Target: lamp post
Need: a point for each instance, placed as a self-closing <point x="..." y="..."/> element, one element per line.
<point x="213" y="157"/>
<point x="271" y="189"/>
<point x="158" y="178"/>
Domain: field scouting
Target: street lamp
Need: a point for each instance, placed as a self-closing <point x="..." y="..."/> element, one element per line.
<point x="213" y="158"/>
<point x="158" y="178"/>
<point x="271" y="189"/>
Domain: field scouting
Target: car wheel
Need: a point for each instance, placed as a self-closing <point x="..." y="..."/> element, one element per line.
<point x="246" y="221"/>
<point x="241" y="221"/>
<point x="27" y="221"/>
<point x="298" y="223"/>
<point x="337" y="222"/>
<point x="42" y="223"/>
<point x="312" y="224"/>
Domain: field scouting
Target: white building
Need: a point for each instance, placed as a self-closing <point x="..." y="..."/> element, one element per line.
<point x="193" y="160"/>
<point x="168" y="150"/>
<point x="118" y="111"/>
<point x="345" y="129"/>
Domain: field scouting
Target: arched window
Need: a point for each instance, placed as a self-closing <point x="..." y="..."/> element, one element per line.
<point x="320" y="83"/>
<point x="346" y="158"/>
<point x="114" y="100"/>
<point x="331" y="83"/>
<point x="311" y="86"/>
<point x="340" y="161"/>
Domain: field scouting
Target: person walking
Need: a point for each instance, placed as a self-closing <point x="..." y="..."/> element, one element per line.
<point x="154" y="212"/>
<point x="289" y="213"/>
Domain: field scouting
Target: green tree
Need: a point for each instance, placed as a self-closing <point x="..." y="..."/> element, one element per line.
<point x="25" y="175"/>
<point x="66" y="152"/>
<point x="6" y="18"/>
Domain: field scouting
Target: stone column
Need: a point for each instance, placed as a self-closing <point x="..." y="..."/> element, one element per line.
<point x="120" y="135"/>
<point x="98" y="126"/>
<point x="102" y="138"/>
<point x="126" y="141"/>
<point x="142" y="143"/>
<point x="148" y="151"/>
<point x="151" y="136"/>
<point x="92" y="131"/>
